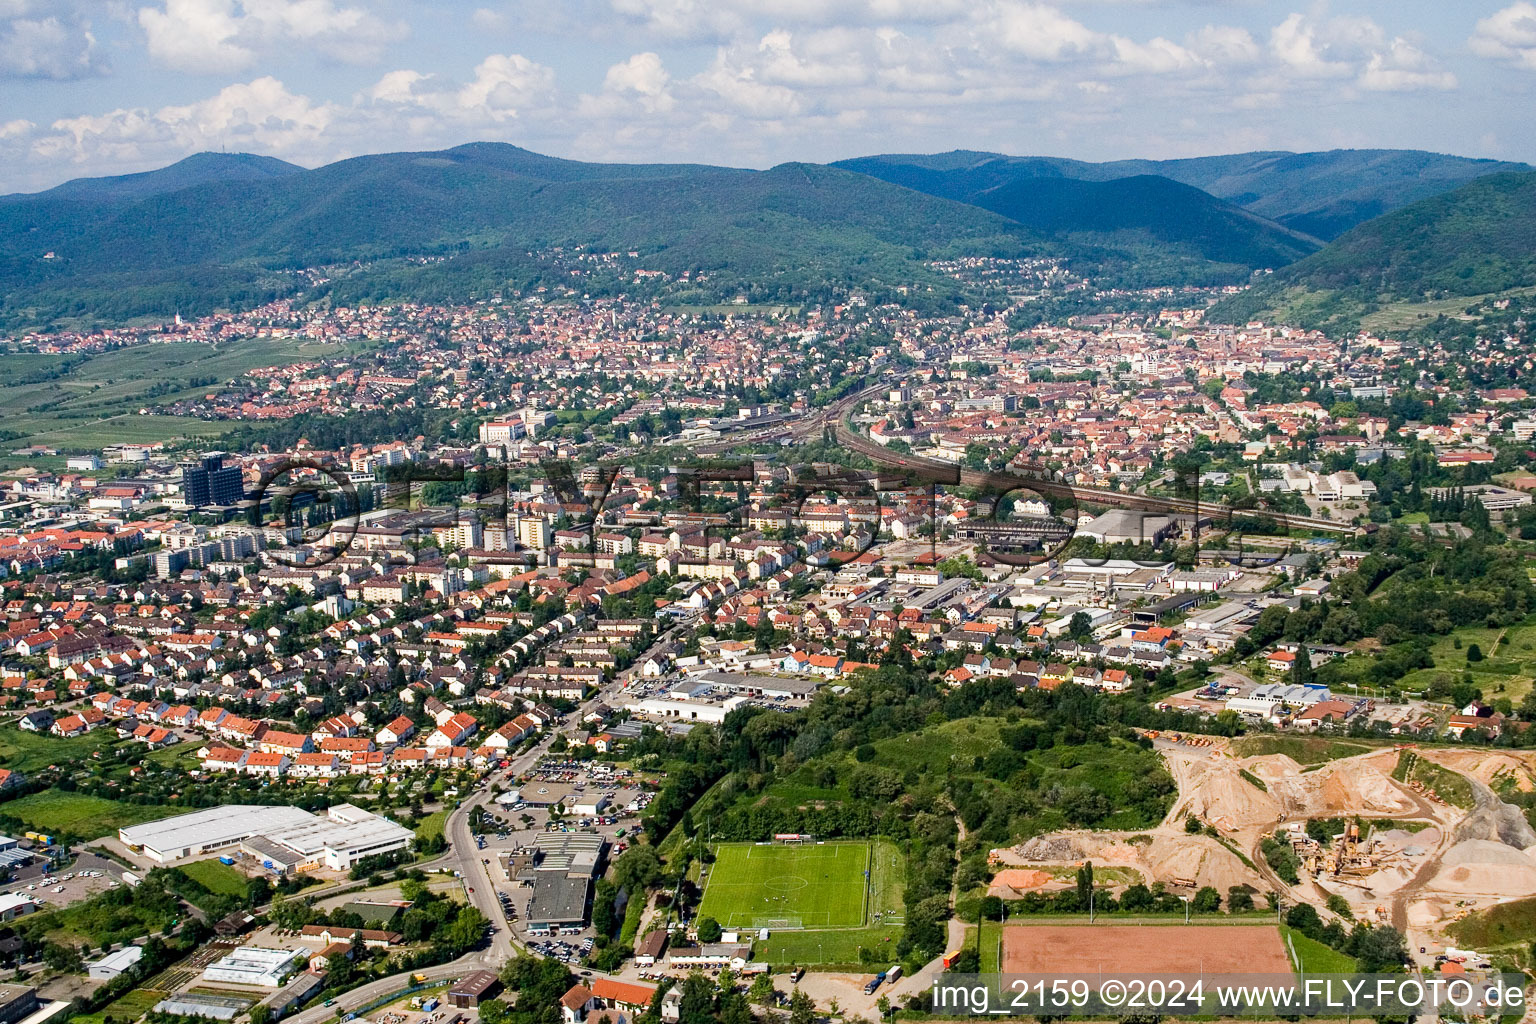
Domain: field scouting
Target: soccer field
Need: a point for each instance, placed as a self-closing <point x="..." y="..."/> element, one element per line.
<point x="807" y="885"/>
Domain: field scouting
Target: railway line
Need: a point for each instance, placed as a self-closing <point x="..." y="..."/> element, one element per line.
<point x="938" y="471"/>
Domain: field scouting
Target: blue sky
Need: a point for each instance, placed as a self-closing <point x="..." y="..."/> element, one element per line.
<point x="92" y="87"/>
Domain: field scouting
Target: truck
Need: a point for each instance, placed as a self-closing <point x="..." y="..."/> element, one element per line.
<point x="893" y="973"/>
<point x="874" y="983"/>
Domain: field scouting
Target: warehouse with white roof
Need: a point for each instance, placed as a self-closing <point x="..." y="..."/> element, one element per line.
<point x="283" y="839"/>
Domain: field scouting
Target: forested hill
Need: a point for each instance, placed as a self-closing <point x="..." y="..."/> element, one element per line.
<point x="1320" y="194"/>
<point x="476" y="214"/>
<point x="1161" y="214"/>
<point x="1478" y="239"/>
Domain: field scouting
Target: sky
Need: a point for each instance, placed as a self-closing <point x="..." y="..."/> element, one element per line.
<point x="94" y="87"/>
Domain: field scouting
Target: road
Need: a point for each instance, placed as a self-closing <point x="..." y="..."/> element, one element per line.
<point x="477" y="873"/>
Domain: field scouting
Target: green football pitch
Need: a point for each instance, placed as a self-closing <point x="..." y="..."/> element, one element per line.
<point x="807" y="885"/>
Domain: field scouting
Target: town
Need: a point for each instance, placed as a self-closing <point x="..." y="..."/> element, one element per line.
<point x="582" y="633"/>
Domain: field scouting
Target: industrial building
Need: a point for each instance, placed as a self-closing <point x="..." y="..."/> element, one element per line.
<point x="254" y="965"/>
<point x="472" y="988"/>
<point x="560" y="866"/>
<point x="17" y="1003"/>
<point x="113" y="964"/>
<point x="13" y="905"/>
<point x="200" y="832"/>
<point x="282" y="839"/>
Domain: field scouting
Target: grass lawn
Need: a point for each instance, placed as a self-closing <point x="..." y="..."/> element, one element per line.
<point x="216" y="877"/>
<point x="809" y="885"/>
<point x="1314" y="957"/>
<point x="28" y="752"/>
<point x="838" y="946"/>
<point x="88" y="816"/>
<point x="431" y="827"/>
<point x="1502" y="925"/>
<point x="132" y="1005"/>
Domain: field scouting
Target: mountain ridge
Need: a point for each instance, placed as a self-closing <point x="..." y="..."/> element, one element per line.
<point x="1474" y="240"/>
<point x="1321" y="193"/>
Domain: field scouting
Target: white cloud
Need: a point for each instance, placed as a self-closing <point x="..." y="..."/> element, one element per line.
<point x="260" y="116"/>
<point x="644" y="78"/>
<point x="1039" y="32"/>
<point x="503" y="84"/>
<point x="1157" y="56"/>
<point x="733" y="19"/>
<point x="1509" y="34"/>
<point x="1403" y="68"/>
<point x="1225" y="44"/>
<point x="213" y="36"/>
<point x="55" y="43"/>
<point x="1294" y="42"/>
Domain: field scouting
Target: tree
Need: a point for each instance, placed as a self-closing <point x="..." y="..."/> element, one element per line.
<point x="1474" y="652"/>
<point x="637" y="869"/>
<point x="1304" y="918"/>
<point x="709" y="930"/>
<point x="1379" y="948"/>
<point x="801" y="1009"/>
<point x="1085" y="882"/>
<point x="1206" y="901"/>
<point x="1081" y="627"/>
<point x="762" y="991"/>
<point x="698" y="1003"/>
<point x="1239" y="899"/>
<point x="62" y="958"/>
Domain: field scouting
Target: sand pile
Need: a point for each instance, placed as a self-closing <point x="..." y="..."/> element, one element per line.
<point x="1385" y="880"/>
<point x="1217" y="793"/>
<point x="1423" y="913"/>
<point x="1199" y="859"/>
<point x="1497" y="821"/>
<point x="1399" y="839"/>
<point x="1487" y="765"/>
<point x="1483" y="866"/>
<point x="1356" y="787"/>
<point x="1072" y="848"/>
<point x="1009" y="883"/>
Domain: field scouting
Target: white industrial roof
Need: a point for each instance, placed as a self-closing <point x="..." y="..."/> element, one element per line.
<point x="213" y="826"/>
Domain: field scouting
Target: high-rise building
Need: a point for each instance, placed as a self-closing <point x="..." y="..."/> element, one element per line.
<point x="208" y="481"/>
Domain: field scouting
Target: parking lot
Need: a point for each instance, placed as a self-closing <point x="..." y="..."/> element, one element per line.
<point x="611" y="799"/>
<point x="63" y="888"/>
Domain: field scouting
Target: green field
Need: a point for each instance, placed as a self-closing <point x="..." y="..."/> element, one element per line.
<point x="132" y="1005"/>
<point x="85" y="402"/>
<point x="431" y="827"/>
<point x="216" y="877"/>
<point x="809" y="885"/>
<point x="1501" y="925"/>
<point x="28" y="752"/>
<point x="837" y="947"/>
<point x="78" y="814"/>
<point x="1313" y="956"/>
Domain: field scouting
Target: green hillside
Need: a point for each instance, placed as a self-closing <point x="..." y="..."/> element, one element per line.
<point x="1171" y="217"/>
<point x="1319" y="194"/>
<point x="1472" y="241"/>
<point x="197" y="169"/>
<point x="483" y="209"/>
